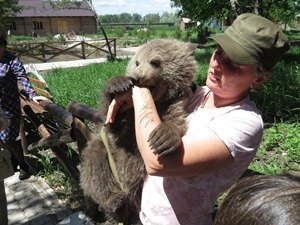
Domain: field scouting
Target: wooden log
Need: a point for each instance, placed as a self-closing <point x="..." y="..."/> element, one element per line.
<point x="36" y="121"/>
<point x="24" y="141"/>
<point x="60" y="151"/>
<point x="35" y="107"/>
<point x="58" y="112"/>
<point x="36" y="81"/>
<point x="84" y="112"/>
<point x="79" y="130"/>
<point x="24" y="100"/>
<point x="82" y="133"/>
<point x="42" y="92"/>
<point x="52" y="140"/>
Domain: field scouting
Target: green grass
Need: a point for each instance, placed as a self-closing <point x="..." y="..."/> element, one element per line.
<point x="279" y="150"/>
<point x="82" y="84"/>
<point x="279" y="98"/>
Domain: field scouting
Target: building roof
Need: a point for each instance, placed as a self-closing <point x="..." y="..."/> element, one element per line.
<point x="186" y="20"/>
<point x="42" y="8"/>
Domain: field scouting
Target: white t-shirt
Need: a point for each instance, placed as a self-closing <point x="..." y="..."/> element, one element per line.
<point x="190" y="200"/>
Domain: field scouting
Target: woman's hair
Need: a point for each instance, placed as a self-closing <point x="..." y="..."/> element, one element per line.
<point x="261" y="200"/>
<point x="262" y="69"/>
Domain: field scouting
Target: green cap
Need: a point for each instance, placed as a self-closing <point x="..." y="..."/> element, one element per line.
<point x="253" y="39"/>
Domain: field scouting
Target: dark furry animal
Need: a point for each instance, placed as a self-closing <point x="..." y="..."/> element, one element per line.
<point x="167" y="68"/>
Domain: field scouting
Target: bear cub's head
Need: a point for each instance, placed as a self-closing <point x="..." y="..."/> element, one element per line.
<point x="166" y="66"/>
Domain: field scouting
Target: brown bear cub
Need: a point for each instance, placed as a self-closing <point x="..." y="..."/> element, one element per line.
<point x="112" y="170"/>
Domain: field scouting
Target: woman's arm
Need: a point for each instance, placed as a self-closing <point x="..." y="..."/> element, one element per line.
<point x="20" y="73"/>
<point x="200" y="153"/>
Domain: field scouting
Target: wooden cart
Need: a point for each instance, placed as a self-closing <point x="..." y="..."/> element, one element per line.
<point x="49" y="126"/>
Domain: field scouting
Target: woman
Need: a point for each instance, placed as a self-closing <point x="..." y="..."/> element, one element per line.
<point x="12" y="71"/>
<point x="224" y="127"/>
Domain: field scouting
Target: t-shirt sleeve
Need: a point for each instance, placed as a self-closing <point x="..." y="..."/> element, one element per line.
<point x="240" y="130"/>
<point x="20" y="72"/>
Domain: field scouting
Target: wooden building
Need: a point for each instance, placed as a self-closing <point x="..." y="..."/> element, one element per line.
<point x="186" y="23"/>
<point x="38" y="17"/>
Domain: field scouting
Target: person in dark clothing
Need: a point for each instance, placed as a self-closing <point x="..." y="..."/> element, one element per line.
<point x="12" y="72"/>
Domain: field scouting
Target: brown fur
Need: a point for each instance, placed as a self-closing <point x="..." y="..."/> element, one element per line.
<point x="167" y="68"/>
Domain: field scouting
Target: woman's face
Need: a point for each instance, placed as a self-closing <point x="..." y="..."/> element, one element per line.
<point x="229" y="80"/>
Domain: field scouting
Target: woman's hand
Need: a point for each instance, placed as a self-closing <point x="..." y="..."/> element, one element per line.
<point x="122" y="102"/>
<point x="37" y="99"/>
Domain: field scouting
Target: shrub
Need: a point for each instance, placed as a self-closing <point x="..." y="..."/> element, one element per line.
<point x="279" y="150"/>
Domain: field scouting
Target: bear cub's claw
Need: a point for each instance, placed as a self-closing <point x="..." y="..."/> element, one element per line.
<point x="119" y="84"/>
<point x="165" y="139"/>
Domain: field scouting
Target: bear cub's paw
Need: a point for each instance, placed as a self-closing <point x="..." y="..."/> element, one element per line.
<point x="118" y="84"/>
<point x="165" y="139"/>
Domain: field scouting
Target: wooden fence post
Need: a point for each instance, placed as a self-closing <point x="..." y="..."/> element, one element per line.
<point x="43" y="52"/>
<point x="83" y="49"/>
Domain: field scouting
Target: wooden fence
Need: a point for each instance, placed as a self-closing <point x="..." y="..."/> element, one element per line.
<point x="46" y="51"/>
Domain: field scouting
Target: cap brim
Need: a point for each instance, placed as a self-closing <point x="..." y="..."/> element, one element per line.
<point x="233" y="50"/>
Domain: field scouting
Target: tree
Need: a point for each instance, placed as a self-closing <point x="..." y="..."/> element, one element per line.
<point x="278" y="10"/>
<point x="136" y="18"/>
<point x="125" y="17"/>
<point x="203" y="10"/>
<point x="285" y="11"/>
<point x="151" y="18"/>
<point x="7" y="10"/>
<point x="109" y="18"/>
<point x="168" y="18"/>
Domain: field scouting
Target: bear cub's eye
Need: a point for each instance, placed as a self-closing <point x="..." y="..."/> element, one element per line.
<point x="137" y="63"/>
<point x="155" y="63"/>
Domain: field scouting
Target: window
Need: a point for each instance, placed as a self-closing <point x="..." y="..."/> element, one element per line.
<point x="37" y="25"/>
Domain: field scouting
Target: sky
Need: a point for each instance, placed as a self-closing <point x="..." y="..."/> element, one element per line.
<point x="141" y="7"/>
